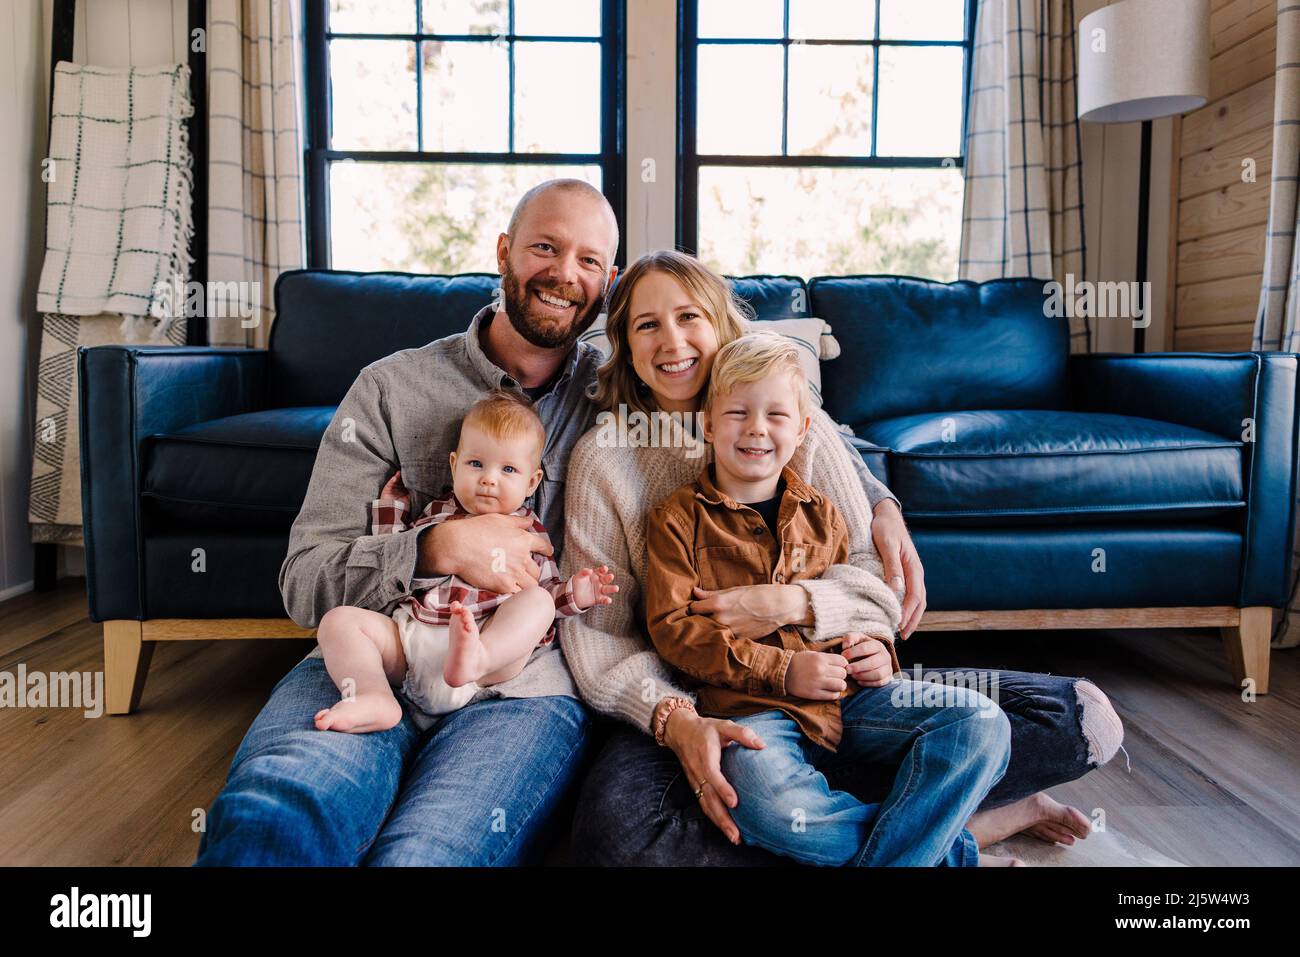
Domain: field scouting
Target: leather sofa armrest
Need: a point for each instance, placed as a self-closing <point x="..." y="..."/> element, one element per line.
<point x="1271" y="493"/>
<point x="1249" y="397"/>
<point x="127" y="393"/>
<point x="1214" y="392"/>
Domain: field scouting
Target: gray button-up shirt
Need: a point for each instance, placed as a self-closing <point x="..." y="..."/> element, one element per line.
<point x="404" y="411"/>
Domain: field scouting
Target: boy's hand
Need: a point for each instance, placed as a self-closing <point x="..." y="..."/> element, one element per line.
<point x="394" y="489"/>
<point x="868" y="657"/>
<point x="816" y="675"/>
<point x="593" y="587"/>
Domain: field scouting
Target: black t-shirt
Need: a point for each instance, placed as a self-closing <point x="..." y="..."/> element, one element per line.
<point x="770" y="507"/>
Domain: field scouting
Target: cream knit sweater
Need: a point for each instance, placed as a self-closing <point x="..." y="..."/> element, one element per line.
<point x="610" y="490"/>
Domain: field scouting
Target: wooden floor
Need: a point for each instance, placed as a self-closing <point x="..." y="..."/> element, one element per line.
<point x="1208" y="779"/>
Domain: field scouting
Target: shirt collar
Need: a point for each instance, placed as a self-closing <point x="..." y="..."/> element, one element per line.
<point x="458" y="509"/>
<point x="708" y="491"/>
<point x="494" y="375"/>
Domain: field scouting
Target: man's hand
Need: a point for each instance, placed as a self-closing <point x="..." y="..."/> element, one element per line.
<point x="593" y="586"/>
<point x="903" y="572"/>
<point x="816" y="675"/>
<point x="754" y="611"/>
<point x="869" y="662"/>
<point x="488" y="551"/>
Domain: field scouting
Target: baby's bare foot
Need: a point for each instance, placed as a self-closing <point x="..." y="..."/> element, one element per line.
<point x="992" y="860"/>
<point x="1038" y="815"/>
<point x="466" y="653"/>
<point x="365" y="712"/>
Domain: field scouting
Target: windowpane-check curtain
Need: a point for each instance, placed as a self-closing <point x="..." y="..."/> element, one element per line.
<point x="1023" y="208"/>
<point x="1277" y="325"/>
<point x="254" y="160"/>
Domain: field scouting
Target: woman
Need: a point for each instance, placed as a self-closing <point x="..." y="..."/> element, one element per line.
<point x="647" y="804"/>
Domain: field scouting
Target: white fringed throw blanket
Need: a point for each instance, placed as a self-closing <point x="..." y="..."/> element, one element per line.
<point x="117" y="251"/>
<point x="118" y="216"/>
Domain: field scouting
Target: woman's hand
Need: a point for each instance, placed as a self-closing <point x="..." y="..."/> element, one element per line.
<point x="698" y="742"/>
<point x="753" y="611"/>
<point x="869" y="661"/>
<point x="903" y="572"/>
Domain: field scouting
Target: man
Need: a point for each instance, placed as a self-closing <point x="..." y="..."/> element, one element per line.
<point x="478" y="787"/>
<point x="296" y="795"/>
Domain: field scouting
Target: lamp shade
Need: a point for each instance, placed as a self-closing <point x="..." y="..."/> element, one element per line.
<point x="1144" y="59"/>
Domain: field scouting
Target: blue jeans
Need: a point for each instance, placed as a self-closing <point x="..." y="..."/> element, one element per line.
<point x="948" y="759"/>
<point x="636" y="807"/>
<point x="480" y="787"/>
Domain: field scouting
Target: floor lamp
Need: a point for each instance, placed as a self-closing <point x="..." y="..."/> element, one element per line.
<point x="1140" y="60"/>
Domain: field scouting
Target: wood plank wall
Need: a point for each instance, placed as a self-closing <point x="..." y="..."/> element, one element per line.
<point x="1220" y="219"/>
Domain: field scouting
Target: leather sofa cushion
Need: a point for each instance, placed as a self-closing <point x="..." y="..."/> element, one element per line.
<point x="773" y="297"/>
<point x="1029" y="466"/>
<point x="911" y="345"/>
<point x="244" y="471"/>
<point x="1145" y="566"/>
<point x="330" y="325"/>
<point x="240" y="577"/>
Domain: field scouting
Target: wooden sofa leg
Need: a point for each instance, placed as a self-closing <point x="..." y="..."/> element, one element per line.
<point x="126" y="664"/>
<point x="1247" y="647"/>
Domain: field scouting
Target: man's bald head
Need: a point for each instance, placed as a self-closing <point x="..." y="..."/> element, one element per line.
<point x="575" y="187"/>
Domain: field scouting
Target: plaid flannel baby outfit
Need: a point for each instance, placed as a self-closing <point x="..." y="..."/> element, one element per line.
<point x="431" y="603"/>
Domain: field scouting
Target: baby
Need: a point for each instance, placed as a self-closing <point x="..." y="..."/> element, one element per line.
<point x="446" y="642"/>
<point x="750" y="519"/>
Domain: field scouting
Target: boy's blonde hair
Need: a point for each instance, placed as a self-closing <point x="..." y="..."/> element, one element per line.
<point x="505" y="415"/>
<point x="754" y="357"/>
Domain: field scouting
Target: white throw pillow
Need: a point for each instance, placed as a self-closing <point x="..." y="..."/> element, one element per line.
<point x="813" y="337"/>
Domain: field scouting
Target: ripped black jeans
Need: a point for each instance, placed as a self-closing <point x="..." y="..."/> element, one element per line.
<point x="636" y="808"/>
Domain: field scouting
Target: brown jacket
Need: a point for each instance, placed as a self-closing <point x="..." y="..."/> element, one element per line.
<point x="701" y="536"/>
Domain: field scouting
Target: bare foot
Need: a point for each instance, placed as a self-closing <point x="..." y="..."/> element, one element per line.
<point x="466" y="654"/>
<point x="365" y="712"/>
<point x="992" y="860"/>
<point x="1037" y="815"/>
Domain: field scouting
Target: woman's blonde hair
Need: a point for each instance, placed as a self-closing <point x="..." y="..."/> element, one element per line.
<point x="752" y="358"/>
<point x="616" y="381"/>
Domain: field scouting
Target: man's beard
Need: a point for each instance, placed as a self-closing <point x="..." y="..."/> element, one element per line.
<point x="545" y="331"/>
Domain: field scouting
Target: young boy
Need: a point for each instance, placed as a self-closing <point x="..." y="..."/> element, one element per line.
<point x="749" y="519"/>
<point x="447" y="642"/>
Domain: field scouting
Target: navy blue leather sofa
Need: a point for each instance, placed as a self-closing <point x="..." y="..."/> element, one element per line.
<point x="1042" y="489"/>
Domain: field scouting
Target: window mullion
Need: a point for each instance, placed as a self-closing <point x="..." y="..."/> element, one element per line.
<point x="510" y="56"/>
<point x="875" y="80"/>
<point x="785" y="79"/>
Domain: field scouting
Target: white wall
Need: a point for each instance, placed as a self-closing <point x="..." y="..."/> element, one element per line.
<point x="651" y="125"/>
<point x="22" y="224"/>
<point x="110" y="33"/>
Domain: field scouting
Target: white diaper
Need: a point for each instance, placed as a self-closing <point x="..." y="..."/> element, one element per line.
<point x="425" y="647"/>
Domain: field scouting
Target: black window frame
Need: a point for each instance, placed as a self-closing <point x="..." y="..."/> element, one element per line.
<point x="612" y="158"/>
<point x="689" y="160"/>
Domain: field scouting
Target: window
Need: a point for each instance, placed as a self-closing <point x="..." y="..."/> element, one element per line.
<point x="427" y="119"/>
<point x="821" y="137"/>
